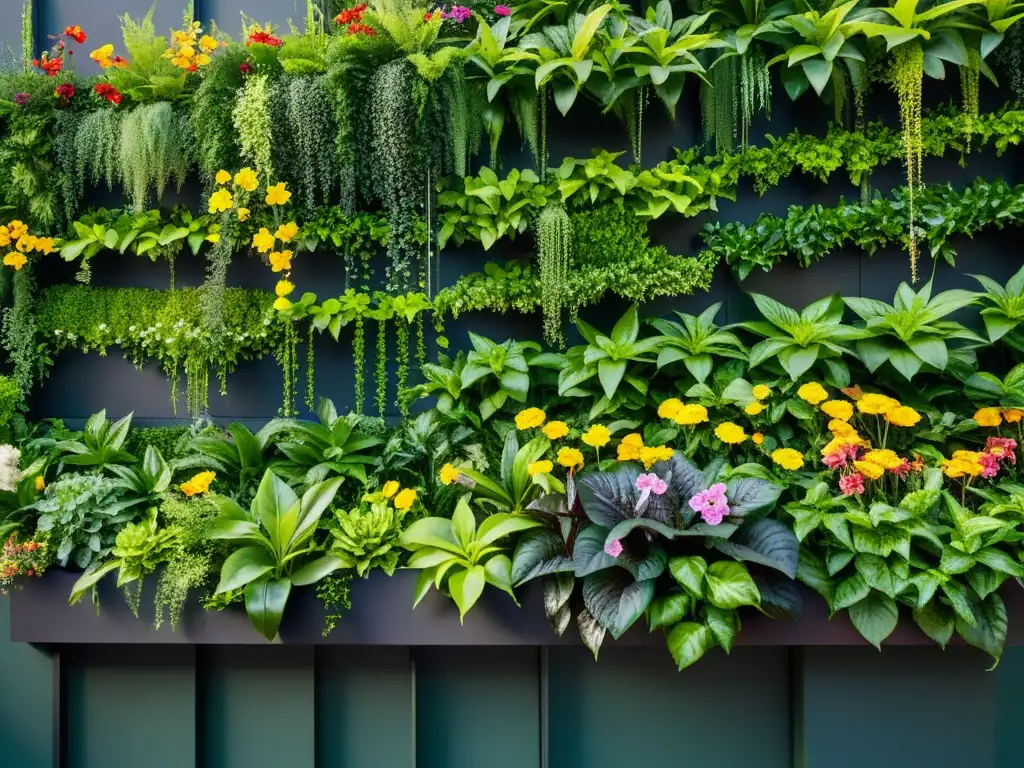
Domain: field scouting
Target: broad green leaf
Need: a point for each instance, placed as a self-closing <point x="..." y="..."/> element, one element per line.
<point x="730" y="585"/>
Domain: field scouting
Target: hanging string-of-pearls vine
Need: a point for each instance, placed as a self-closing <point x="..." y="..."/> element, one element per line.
<point x="554" y="247"/>
<point x="907" y="75"/>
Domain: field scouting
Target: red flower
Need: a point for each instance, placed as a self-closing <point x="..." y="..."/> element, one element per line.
<point x="108" y="92"/>
<point x="35" y="63"/>
<point x="65" y="91"/>
<point x="76" y="34"/>
<point x="350" y="15"/>
<point x="245" y="68"/>
<point x="51" y="67"/>
<point x="264" y="38"/>
<point x="361" y="29"/>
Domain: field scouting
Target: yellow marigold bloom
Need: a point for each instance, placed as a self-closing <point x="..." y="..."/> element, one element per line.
<point x="247" y="179"/>
<point x="223" y="177"/>
<point x="670" y="408"/>
<point x="961" y="464"/>
<point x="44" y="245"/>
<point x="449" y="474"/>
<point x="884" y="458"/>
<point x="630" y="447"/>
<point x="198" y="484"/>
<point x="758" y="438"/>
<point x="405" y="500"/>
<point x="988" y="417"/>
<point x="220" y="201"/>
<point x="838" y="409"/>
<point x="755" y="408"/>
<point x="181" y="62"/>
<point x="280" y="261"/>
<point x="243" y="214"/>
<point x="730" y="433"/>
<point x="530" y="418"/>
<point x="390" y="488"/>
<point x="761" y="391"/>
<point x="691" y="414"/>
<point x="903" y="416"/>
<point x="278" y="194"/>
<point x="16" y="260"/>
<point x="841" y="428"/>
<point x="1011" y="415"/>
<point x="202" y="60"/>
<point x="788" y="458"/>
<point x="283" y="288"/>
<point x="875" y="404"/>
<point x="570" y="458"/>
<point x="40" y="483"/>
<point x="263" y="241"/>
<point x="869" y="469"/>
<point x="652" y="455"/>
<point x="16" y="229"/>
<point x="26" y="243"/>
<point x="281" y="304"/>
<point x="5" y="237"/>
<point x="541" y="467"/>
<point x="553" y="430"/>
<point x="208" y="43"/>
<point x="812" y="393"/>
<point x="287" y="231"/>
<point x="597" y="436"/>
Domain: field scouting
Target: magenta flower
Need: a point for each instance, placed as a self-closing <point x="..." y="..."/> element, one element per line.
<point x="613" y="548"/>
<point x="989" y="465"/>
<point x="21" y="99"/>
<point x="651" y="483"/>
<point x="852" y="485"/>
<point x="712" y="504"/>
<point x="503" y="10"/>
<point x="1005" y="448"/>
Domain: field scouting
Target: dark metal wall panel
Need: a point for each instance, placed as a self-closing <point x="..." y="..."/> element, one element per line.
<point x="28" y="680"/>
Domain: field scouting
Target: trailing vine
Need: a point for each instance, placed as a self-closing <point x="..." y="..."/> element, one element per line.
<point x="19" y="332"/>
<point x="381" y="395"/>
<point x="970" y="84"/>
<point x="252" y="122"/>
<point x="311" y="129"/>
<point x="554" y="254"/>
<point x="402" y="399"/>
<point x="155" y="146"/>
<point x="215" y="284"/>
<point x="359" y="359"/>
<point x="907" y="75"/>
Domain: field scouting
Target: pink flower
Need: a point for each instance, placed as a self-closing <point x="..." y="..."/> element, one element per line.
<point x="715" y="512"/>
<point x="902" y="470"/>
<point x="652" y="484"/>
<point x="1003" y="448"/>
<point x="852" y="485"/>
<point x="989" y="464"/>
<point x="613" y="548"/>
<point x="712" y="504"/>
<point x="841" y="457"/>
<point x="503" y="10"/>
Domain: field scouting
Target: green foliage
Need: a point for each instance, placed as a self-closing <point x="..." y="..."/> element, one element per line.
<point x="149" y="76"/>
<point x="239" y="457"/>
<point x="211" y="115"/>
<point x="155" y="146"/>
<point x="19" y="333"/>
<point x="11" y="399"/>
<point x="278" y="531"/>
<point x="101" y="446"/>
<point x="333" y="592"/>
<point x="312" y="131"/>
<point x="366" y="537"/>
<point x="252" y="123"/>
<point x="191" y="564"/>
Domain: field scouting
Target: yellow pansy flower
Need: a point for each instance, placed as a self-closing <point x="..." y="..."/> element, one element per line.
<point x="263" y="241"/>
<point x="284" y="288"/>
<point x="838" y="409"/>
<point x="597" y="436"/>
<point x="449" y="474"/>
<point x="15" y="260"/>
<point x="391" y="487"/>
<point x="287" y="231"/>
<point x="243" y="215"/>
<point x="405" y="500"/>
<point x="554" y="430"/>
<point x="198" y="484"/>
<point x="570" y="458"/>
<point x="223" y="177"/>
<point x="730" y="433"/>
<point x="246" y="179"/>
<point x="812" y="393"/>
<point x="280" y="261"/>
<point x="220" y="201"/>
<point x="528" y="418"/>
<point x="788" y="458"/>
<point x="278" y="194"/>
<point x="281" y="304"/>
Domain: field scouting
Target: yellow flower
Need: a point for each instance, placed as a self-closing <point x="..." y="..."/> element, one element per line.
<point x="758" y="438"/>
<point x="838" y="409"/>
<point x="597" y="436"/>
<point x="529" y="418"/>
<point x="246" y="179"/>
<point x="812" y="393"/>
<point x="214" y="238"/>
<point x="223" y="177"/>
<point x="391" y="487"/>
<point x="838" y="443"/>
<point x="691" y="414"/>
<point x="555" y="429"/>
<point x="208" y="43"/>
<point x="670" y="408"/>
<point x="788" y="458"/>
<point x="1011" y="415"/>
<point x="278" y="194"/>
<point x="731" y="433"/>
<point x="761" y="391"/>
<point x="26" y="243"/>
<point x="541" y="467"/>
<point x="16" y="260"/>
<point x="630" y="447"/>
<point x="869" y="469"/>
<point x="570" y="458"/>
<point x="198" y="484"/>
<point x="884" y="458"/>
<point x="102" y="56"/>
<point x="449" y="474"/>
<point x="988" y="417"/>
<point x="962" y="463"/>
<point x="280" y="261"/>
<point x="283" y="288"/>
<point x="903" y="416"/>
<point x="876" y="404"/>
<point x="16" y="229"/>
<point x="5" y="237"/>
<point x="44" y="245"/>
<point x="221" y="200"/>
<point x="652" y="455"/>
<point x="202" y="60"/>
<point x="841" y="428"/>
<point x="281" y="304"/>
<point x="243" y="215"/>
<point x="405" y="500"/>
<point x="286" y="232"/>
<point x="40" y="483"/>
<point x="755" y="408"/>
<point x="263" y="241"/>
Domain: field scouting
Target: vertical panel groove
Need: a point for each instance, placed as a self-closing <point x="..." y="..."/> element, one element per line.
<point x="412" y="675"/>
<point x="544" y="718"/>
<point x="59" y="710"/>
<point x="796" y="704"/>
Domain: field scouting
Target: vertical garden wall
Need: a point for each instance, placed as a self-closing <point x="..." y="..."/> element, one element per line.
<point x="620" y="340"/>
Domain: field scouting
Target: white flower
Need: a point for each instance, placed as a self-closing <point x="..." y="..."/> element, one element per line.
<point x="131" y="328"/>
<point x="117" y="341"/>
<point x="159" y="325"/>
<point x="158" y="338"/>
<point x="58" y="332"/>
<point x="103" y="326"/>
<point x="10" y="457"/>
<point x="169" y="342"/>
<point x="179" y="324"/>
<point x="266" y="321"/>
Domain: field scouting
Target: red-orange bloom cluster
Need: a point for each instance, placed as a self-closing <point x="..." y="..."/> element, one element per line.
<point x="108" y="92"/>
<point x="353" y="14"/>
<point x="265" y="38"/>
<point x="355" y="28"/>
<point x="51" y="67"/>
<point x="75" y="33"/>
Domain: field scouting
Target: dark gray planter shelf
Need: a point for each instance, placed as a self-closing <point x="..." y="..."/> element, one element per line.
<point x="382" y="614"/>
